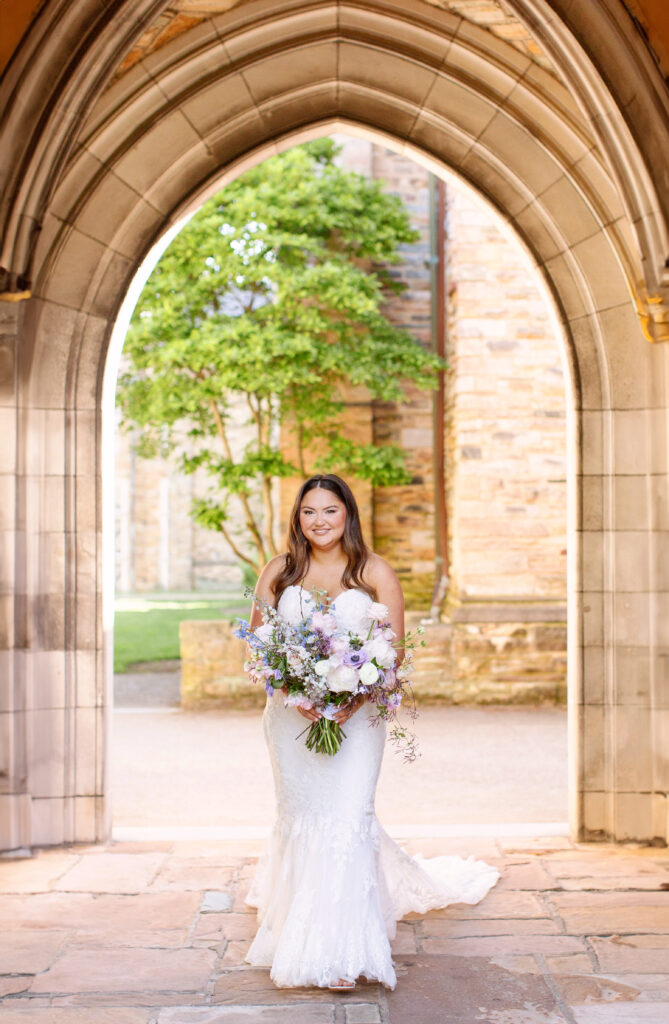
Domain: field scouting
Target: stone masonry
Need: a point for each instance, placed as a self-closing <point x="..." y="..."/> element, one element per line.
<point x="156" y="933"/>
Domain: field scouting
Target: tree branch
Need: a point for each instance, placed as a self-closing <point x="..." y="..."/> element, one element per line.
<point x="250" y="518"/>
<point x="300" y="449"/>
<point x="237" y="551"/>
<point x="257" y="414"/>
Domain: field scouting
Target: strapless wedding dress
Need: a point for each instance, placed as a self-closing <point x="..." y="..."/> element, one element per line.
<point x="331" y="883"/>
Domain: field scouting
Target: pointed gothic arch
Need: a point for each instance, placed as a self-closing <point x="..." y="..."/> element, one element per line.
<point x="109" y="170"/>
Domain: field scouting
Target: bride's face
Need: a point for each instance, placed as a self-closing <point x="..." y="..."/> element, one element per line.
<point x="322" y="518"/>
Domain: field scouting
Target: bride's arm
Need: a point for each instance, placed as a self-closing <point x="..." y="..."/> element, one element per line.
<point x="389" y="590"/>
<point x="265" y="593"/>
<point x="384" y="579"/>
<point x="264" y="589"/>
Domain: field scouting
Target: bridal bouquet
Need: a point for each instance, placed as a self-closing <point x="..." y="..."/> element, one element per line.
<point x="320" y="666"/>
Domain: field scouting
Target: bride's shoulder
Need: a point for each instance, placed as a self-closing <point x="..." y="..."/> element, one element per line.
<point x="268" y="575"/>
<point x="380" y="574"/>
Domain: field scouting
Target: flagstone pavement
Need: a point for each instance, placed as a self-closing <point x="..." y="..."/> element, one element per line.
<point x="155" y="933"/>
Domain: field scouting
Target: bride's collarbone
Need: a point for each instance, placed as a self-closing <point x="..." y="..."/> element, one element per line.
<point x="328" y="589"/>
<point x="322" y="589"/>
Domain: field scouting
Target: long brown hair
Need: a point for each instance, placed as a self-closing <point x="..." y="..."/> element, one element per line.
<point x="297" y="561"/>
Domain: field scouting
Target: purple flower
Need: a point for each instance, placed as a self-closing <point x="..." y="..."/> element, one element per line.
<point x="269" y="688"/>
<point x="354" y="658"/>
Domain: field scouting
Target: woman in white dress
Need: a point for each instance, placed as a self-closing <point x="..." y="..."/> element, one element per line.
<point x="331" y="884"/>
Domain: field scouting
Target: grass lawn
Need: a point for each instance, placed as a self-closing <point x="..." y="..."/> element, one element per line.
<point x="148" y="629"/>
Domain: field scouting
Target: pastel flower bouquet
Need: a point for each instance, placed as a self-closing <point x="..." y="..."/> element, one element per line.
<point x="322" y="667"/>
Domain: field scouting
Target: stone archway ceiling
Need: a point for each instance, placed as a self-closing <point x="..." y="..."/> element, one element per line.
<point x="181" y="15"/>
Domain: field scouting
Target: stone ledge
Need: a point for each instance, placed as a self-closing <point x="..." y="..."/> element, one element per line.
<point x="491" y="665"/>
<point x="508" y="611"/>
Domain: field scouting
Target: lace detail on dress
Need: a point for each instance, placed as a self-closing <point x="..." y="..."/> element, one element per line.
<point x="331" y="883"/>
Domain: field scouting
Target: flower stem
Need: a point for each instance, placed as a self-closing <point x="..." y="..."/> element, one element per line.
<point x="325" y="736"/>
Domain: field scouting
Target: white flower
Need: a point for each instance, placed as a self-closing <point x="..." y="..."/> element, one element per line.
<point x="325" y="622"/>
<point x="377" y="611"/>
<point x="342" y="679"/>
<point x="369" y="673"/>
<point x="321" y="668"/>
<point x="381" y="651"/>
<point x="295" y="662"/>
<point x="264" y="632"/>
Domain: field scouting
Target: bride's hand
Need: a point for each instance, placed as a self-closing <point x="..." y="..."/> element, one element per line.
<point x="350" y="709"/>
<point x="310" y="713"/>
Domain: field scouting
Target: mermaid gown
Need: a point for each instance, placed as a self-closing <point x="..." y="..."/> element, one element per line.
<point x="331" y="883"/>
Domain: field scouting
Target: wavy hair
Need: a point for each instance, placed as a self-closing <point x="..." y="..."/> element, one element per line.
<point x="298" y="556"/>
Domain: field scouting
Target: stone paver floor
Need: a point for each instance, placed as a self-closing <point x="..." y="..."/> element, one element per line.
<point x="155" y="933"/>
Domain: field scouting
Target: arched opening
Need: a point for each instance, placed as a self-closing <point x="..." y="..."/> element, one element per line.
<point x="485" y="609"/>
<point x="150" y="148"/>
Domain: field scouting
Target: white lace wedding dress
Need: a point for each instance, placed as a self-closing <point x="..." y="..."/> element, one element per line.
<point x="331" y="883"/>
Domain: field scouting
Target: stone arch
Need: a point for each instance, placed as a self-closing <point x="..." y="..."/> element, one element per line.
<point x="153" y="146"/>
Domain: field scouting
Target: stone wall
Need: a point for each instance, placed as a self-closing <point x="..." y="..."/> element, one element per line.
<point x="212" y="666"/>
<point x="158" y="544"/>
<point x="506" y="469"/>
<point x="404" y="516"/>
<point x="497" y="663"/>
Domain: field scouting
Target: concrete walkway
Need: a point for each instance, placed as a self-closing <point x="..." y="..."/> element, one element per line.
<point x="478" y="765"/>
<point x="156" y="934"/>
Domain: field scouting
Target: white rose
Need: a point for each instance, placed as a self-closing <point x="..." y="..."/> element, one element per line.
<point x="342" y="679"/>
<point x="321" y="668"/>
<point x="368" y="673"/>
<point x="381" y="651"/>
<point x="377" y="611"/>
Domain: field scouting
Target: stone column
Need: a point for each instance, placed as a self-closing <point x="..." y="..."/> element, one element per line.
<point x="15" y="832"/>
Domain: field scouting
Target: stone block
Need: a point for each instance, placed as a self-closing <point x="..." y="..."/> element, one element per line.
<point x="567" y="206"/>
<point x="633" y="753"/>
<point x="594" y="720"/>
<point x="593" y="504"/>
<point x="45" y="679"/>
<point x="28" y="952"/>
<point x="640" y="954"/>
<point x="362" y="1013"/>
<point x="252" y="986"/>
<point x="592" y="442"/>
<point x="212" y="665"/>
<point x="203" y="109"/>
<point x="46" y="751"/>
<point x="137" y="969"/>
<point x="603" y="913"/>
<point x="307" y="1014"/>
<point x="661" y="751"/>
<point x="396" y="75"/>
<point x="7" y="500"/>
<point x="622" y="1012"/>
<point x="593" y="618"/>
<point x="89" y="727"/>
<point x="86" y="813"/>
<point x="596" y="818"/>
<point x="635" y="364"/>
<point x="111" y="873"/>
<point x="489" y="946"/>
<point x="594" y="669"/>
<point x="593" y="560"/>
<point x="47" y="820"/>
<point x="102" y="912"/>
<point x="8" y="434"/>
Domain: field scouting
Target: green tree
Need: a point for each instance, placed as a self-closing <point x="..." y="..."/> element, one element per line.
<point x="272" y="296"/>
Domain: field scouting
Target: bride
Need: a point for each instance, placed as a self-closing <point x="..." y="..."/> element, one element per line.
<point x="331" y="883"/>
